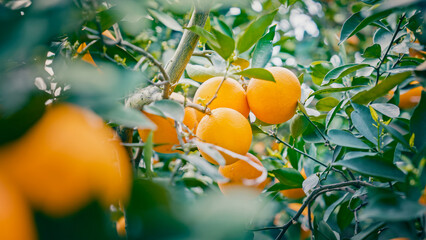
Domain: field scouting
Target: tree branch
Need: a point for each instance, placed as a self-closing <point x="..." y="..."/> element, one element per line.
<point x="187" y="44"/>
<point x="398" y="28"/>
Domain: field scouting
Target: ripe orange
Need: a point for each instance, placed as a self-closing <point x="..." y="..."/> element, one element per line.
<point x="121" y="227"/>
<point x="274" y="102"/>
<point x="410" y="98"/>
<point x="238" y="171"/>
<point x="231" y="95"/>
<point x="226" y="128"/>
<point x="295" y="193"/>
<point x="65" y="160"/>
<point x="16" y="221"/>
<point x="166" y="132"/>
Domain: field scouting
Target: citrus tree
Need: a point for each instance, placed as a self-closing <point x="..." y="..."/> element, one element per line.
<point x="193" y="119"/>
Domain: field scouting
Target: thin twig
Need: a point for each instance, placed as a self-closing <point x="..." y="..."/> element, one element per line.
<point x="274" y="135"/>
<point x="318" y="130"/>
<point x="356" y="222"/>
<point x="389" y="47"/>
<point x="117" y="31"/>
<point x="149" y="57"/>
<point x="309" y="218"/>
<point x="315" y="193"/>
<point x="197" y="107"/>
<point x="218" y="88"/>
<point x="202" y="53"/>
<point x="85" y="49"/>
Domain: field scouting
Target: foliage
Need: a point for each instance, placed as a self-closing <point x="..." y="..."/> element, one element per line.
<point x="363" y="152"/>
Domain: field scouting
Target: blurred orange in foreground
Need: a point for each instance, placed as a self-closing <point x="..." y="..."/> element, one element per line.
<point x="16" y="221"/>
<point x="65" y="160"/>
<point x="240" y="170"/>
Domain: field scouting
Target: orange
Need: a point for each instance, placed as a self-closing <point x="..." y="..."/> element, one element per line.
<point x="87" y="57"/>
<point x="410" y="98"/>
<point x="68" y="157"/>
<point x="240" y="170"/>
<point x="231" y="95"/>
<point x="121" y="227"/>
<point x="226" y="128"/>
<point x="274" y="102"/>
<point x="295" y="193"/>
<point x="16" y="221"/>
<point x="166" y="132"/>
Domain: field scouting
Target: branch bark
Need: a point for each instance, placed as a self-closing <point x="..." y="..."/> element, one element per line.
<point x="187" y="44"/>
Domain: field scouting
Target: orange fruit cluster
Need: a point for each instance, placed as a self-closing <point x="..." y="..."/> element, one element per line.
<point x="226" y="124"/>
<point x="67" y="159"/>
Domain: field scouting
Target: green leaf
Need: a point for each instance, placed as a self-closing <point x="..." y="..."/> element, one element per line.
<point x="225" y="28"/>
<point x="258" y="73"/>
<point x="332" y="113"/>
<point x="354" y="154"/>
<point x="147" y="153"/>
<point x="396" y="135"/>
<point x="340" y="72"/>
<point x="371" y="232"/>
<point x="344" y="216"/>
<point x="109" y="17"/>
<point x="360" y="20"/>
<point x="387" y="109"/>
<point x="219" y="42"/>
<point x="263" y="51"/>
<point x="324" y="232"/>
<point x="167" y="20"/>
<point x="205" y="34"/>
<point x="298" y="125"/>
<point x="127" y="117"/>
<point x="333" y="90"/>
<point x="226" y="44"/>
<point x="374" y="51"/>
<point x="254" y="32"/>
<point x="387" y="205"/>
<point x="346" y="139"/>
<point x="203" y="166"/>
<point x="417" y="123"/>
<point x="166" y="108"/>
<point x="326" y="104"/>
<point x="373" y="166"/>
<point x="364" y="123"/>
<point x="289" y="176"/>
<point x="212" y="152"/>
<point x="201" y="73"/>
<point x="333" y="206"/>
<point x="318" y="71"/>
<point x="381" y="89"/>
